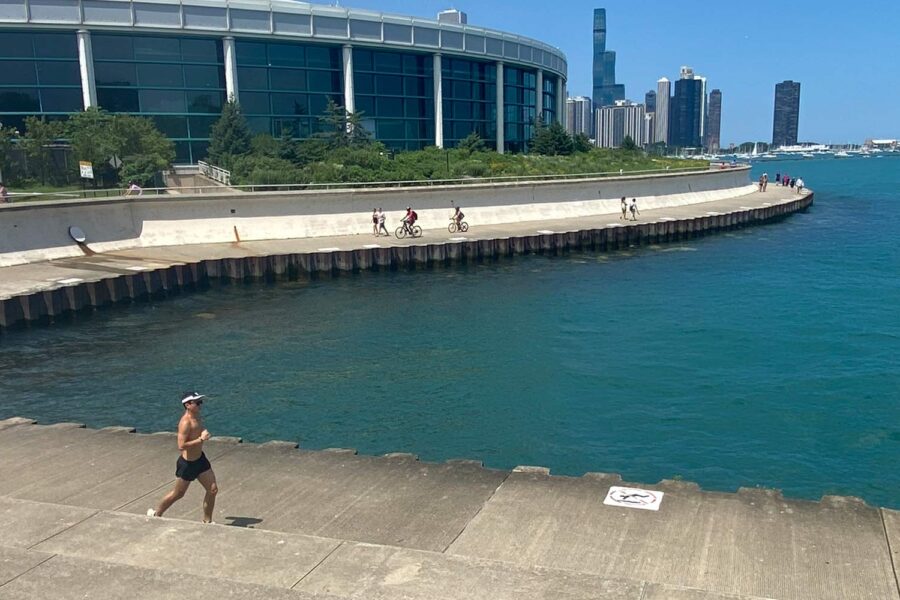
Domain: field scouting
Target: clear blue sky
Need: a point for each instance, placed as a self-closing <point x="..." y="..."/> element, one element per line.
<point x="845" y="54"/>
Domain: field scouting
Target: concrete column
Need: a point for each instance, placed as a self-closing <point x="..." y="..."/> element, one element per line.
<point x="500" y="132"/>
<point x="349" y="96"/>
<point x="561" y="101"/>
<point x="231" y="85"/>
<point x="86" y="66"/>
<point x="539" y="107"/>
<point x="438" y="102"/>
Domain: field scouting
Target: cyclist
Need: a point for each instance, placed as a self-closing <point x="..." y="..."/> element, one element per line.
<point x="409" y="220"/>
<point x="458" y="217"/>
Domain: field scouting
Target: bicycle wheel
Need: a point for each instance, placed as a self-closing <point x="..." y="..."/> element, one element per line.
<point x="464" y="227"/>
<point x="416" y="231"/>
<point x="451" y="227"/>
<point x="400" y="233"/>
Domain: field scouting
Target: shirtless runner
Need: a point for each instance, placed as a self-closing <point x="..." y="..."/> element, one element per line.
<point x="192" y="464"/>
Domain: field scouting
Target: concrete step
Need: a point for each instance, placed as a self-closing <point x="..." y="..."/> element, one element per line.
<point x="79" y="553"/>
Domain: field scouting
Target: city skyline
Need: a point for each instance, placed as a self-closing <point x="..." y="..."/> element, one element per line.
<point x="742" y="52"/>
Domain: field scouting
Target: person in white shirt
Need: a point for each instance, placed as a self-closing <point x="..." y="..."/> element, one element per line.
<point x="134" y="189"/>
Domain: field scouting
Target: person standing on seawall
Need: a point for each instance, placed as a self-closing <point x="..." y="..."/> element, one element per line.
<point x="192" y="464"/>
<point x="381" y="226"/>
<point x="634" y="209"/>
<point x="765" y="180"/>
<point x="799" y="183"/>
<point x="624" y="208"/>
<point x="375" y="222"/>
<point x="4" y="193"/>
<point x="777" y="178"/>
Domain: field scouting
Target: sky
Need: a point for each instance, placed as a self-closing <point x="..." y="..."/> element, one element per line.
<point x="846" y="55"/>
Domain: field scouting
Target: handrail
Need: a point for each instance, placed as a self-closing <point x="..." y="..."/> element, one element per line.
<point x="312" y="187"/>
<point x="215" y="173"/>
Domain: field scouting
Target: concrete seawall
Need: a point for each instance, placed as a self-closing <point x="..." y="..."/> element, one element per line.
<point x="31" y="232"/>
<point x="115" y="285"/>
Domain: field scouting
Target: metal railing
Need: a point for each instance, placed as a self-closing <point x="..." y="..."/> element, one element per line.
<point x="174" y="192"/>
<point x="215" y="173"/>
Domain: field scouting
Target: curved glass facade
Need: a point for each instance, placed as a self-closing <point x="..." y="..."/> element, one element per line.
<point x="283" y="62"/>
<point x="470" y="99"/>
<point x="39" y="76"/>
<point x="284" y="88"/>
<point x="395" y="93"/>
<point x="176" y="81"/>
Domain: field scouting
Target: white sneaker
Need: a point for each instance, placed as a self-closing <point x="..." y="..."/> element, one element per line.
<point x="151" y="512"/>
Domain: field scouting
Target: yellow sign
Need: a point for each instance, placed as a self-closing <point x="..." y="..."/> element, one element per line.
<point x="86" y="168"/>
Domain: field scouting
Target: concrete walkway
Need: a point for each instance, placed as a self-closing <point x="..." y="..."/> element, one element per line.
<point x="331" y="524"/>
<point x="38" y="277"/>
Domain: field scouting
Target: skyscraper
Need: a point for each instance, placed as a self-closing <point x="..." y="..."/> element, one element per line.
<point x="606" y="92"/>
<point x="714" y="133"/>
<point x="650" y="102"/>
<point x="616" y="122"/>
<point x="686" y="127"/>
<point x="787" y="113"/>
<point x="663" y="109"/>
<point x="579" y="116"/>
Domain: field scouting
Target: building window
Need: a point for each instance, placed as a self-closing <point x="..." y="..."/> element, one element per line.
<point x="39" y="76"/>
<point x="470" y="100"/>
<point x="178" y="82"/>
<point x="520" y="107"/>
<point x="285" y="87"/>
<point x="549" y="99"/>
<point x="395" y="93"/>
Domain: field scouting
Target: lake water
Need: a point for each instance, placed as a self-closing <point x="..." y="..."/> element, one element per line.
<point x="762" y="357"/>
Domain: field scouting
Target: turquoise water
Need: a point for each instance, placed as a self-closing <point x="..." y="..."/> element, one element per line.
<point x="767" y="356"/>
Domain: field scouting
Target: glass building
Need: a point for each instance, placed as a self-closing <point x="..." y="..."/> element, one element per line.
<point x="787" y="114"/>
<point x="417" y="82"/>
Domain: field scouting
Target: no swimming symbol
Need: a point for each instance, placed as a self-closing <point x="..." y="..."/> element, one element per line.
<point x="633" y="498"/>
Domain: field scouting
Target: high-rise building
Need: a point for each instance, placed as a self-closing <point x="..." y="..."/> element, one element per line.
<point x="615" y="123"/>
<point x="663" y="111"/>
<point x="686" y="126"/>
<point x="457" y="17"/>
<point x="606" y="92"/>
<point x="579" y="116"/>
<point x="649" y="128"/>
<point x="787" y="113"/>
<point x="714" y="132"/>
<point x="650" y="102"/>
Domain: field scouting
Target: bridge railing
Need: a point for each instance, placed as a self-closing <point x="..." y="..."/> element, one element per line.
<point x="215" y="173"/>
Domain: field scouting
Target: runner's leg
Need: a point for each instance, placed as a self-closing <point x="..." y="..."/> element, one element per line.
<point x="208" y="480"/>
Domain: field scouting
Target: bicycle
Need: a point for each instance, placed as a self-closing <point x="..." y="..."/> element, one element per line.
<point x="453" y="227"/>
<point x="414" y="231"/>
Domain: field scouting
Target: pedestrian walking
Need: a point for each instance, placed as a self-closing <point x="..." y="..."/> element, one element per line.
<point x="799" y="185"/>
<point x="793" y="182"/>
<point x="634" y="209"/>
<point x="624" y="208"/>
<point x="759" y="184"/>
<point x="765" y="177"/>
<point x="381" y="226"/>
<point x="777" y="178"/>
<point x="192" y="462"/>
<point x="375" y="222"/>
<point x="4" y="193"/>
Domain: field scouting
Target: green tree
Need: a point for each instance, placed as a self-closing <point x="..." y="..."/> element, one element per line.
<point x="40" y="134"/>
<point x="340" y="128"/>
<point x="311" y="151"/>
<point x="628" y="144"/>
<point x="97" y="136"/>
<point x="551" y="140"/>
<point x="230" y="137"/>
<point x="581" y="143"/>
<point x="7" y="135"/>
<point x="472" y="143"/>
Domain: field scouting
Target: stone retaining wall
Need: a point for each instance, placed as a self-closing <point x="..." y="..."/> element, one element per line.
<point x="46" y="305"/>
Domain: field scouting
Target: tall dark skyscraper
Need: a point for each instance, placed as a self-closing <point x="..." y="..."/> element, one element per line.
<point x="606" y="92"/>
<point x="686" y="115"/>
<point x="787" y="113"/>
<point x="714" y="131"/>
<point x="650" y="102"/>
